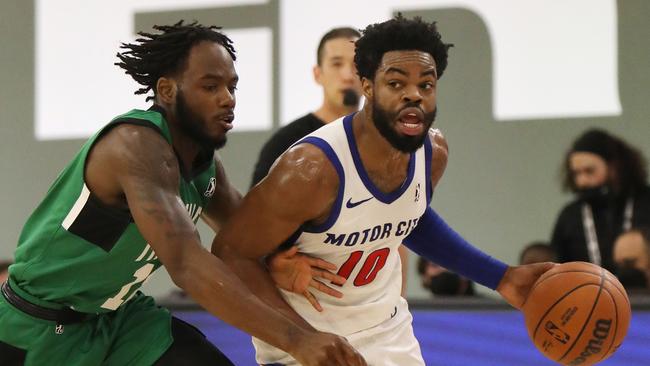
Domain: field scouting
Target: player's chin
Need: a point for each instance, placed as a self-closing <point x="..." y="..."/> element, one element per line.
<point x="220" y="142"/>
<point x="216" y="139"/>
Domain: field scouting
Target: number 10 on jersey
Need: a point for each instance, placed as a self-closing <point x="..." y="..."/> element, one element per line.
<point x="369" y="269"/>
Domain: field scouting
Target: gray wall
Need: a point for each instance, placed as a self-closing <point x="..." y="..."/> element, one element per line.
<point x="501" y="188"/>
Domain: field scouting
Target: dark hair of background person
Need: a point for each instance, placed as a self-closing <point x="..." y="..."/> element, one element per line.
<point x="165" y="53"/>
<point x="445" y="283"/>
<point x="399" y="34"/>
<point x="336" y="33"/>
<point x="422" y="265"/>
<point x="541" y="246"/>
<point x="626" y="162"/>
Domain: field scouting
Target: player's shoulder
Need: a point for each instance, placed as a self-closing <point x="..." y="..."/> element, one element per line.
<point x="306" y="157"/>
<point x="439" y="147"/>
<point x="126" y="142"/>
<point x="438" y="140"/>
<point x="305" y="164"/>
<point x="138" y="136"/>
<point x="439" y="155"/>
<point x="302" y="176"/>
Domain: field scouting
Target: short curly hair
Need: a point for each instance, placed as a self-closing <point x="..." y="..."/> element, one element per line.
<point x="398" y="34"/>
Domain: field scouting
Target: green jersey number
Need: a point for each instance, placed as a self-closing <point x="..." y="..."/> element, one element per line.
<point x="140" y="275"/>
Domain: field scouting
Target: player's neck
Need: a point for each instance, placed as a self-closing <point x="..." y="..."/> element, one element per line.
<point x="186" y="148"/>
<point x="371" y="143"/>
<point x="329" y="113"/>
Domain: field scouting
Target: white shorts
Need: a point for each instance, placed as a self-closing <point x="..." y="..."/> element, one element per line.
<point x="391" y="343"/>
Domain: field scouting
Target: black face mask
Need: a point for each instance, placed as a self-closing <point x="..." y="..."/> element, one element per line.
<point x="445" y="284"/>
<point x="595" y="195"/>
<point x="632" y="278"/>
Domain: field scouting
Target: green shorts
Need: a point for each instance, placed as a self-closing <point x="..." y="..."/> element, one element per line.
<point x="137" y="333"/>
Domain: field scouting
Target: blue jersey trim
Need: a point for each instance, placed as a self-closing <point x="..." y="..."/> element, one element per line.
<point x="370" y="186"/>
<point x="428" y="155"/>
<point x="336" y="208"/>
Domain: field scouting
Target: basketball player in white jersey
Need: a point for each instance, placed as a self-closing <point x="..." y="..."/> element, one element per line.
<point x="351" y="192"/>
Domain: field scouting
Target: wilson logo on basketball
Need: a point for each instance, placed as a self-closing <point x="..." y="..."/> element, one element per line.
<point x="600" y="333"/>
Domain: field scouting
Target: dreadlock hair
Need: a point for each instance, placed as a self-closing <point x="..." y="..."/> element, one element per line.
<point x="161" y="54"/>
<point x="398" y="34"/>
<point x="626" y="162"/>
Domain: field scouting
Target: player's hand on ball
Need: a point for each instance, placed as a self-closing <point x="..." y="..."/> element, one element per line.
<point x="297" y="272"/>
<point x="326" y="349"/>
<point x="518" y="281"/>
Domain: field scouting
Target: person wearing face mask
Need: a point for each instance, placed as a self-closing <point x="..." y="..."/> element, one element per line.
<point x="442" y="282"/>
<point x="609" y="179"/>
<point x="632" y="257"/>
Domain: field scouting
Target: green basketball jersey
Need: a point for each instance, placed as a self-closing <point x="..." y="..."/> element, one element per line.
<point x="74" y="251"/>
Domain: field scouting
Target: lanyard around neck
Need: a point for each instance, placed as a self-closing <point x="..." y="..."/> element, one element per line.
<point x="590" y="228"/>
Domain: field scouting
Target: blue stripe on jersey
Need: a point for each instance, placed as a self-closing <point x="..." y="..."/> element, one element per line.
<point x="336" y="208"/>
<point x="428" y="155"/>
<point x="381" y="196"/>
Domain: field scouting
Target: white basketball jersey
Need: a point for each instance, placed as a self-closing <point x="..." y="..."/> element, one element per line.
<point x="361" y="236"/>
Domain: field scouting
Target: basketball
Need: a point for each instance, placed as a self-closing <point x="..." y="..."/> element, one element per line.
<point x="577" y="314"/>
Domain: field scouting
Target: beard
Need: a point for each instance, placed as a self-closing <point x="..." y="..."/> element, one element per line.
<point x="384" y="122"/>
<point x="194" y="126"/>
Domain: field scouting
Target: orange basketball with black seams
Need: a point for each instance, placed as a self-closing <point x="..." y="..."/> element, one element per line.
<point x="577" y="314"/>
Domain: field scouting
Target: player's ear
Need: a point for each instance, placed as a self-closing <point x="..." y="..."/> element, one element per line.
<point x="366" y="87"/>
<point x="317" y="71"/>
<point x="166" y="89"/>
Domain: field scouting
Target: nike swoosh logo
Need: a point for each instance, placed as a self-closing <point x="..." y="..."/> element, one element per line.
<point x="351" y="204"/>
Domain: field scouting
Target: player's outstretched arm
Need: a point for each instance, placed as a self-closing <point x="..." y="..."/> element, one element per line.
<point x="435" y="240"/>
<point x="300" y="187"/>
<point x="143" y="167"/>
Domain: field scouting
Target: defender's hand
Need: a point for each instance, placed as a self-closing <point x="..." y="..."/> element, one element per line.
<point x="326" y="349"/>
<point x="518" y="281"/>
<point x="296" y="272"/>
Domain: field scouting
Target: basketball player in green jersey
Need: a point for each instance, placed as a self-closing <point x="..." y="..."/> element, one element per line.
<point x="127" y="204"/>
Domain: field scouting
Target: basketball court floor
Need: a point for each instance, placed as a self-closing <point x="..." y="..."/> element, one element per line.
<point x="453" y="338"/>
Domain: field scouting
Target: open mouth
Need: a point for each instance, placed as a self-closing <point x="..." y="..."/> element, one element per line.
<point x="226" y="120"/>
<point x="411" y="121"/>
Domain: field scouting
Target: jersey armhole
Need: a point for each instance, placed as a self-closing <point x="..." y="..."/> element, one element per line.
<point x="428" y="156"/>
<point x="123" y="215"/>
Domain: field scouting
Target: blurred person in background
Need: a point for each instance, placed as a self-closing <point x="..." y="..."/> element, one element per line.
<point x="442" y="282"/>
<point x="632" y="257"/>
<point x="537" y="252"/>
<point x="336" y="74"/>
<point x="609" y="180"/>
